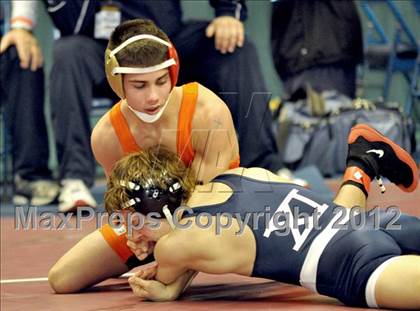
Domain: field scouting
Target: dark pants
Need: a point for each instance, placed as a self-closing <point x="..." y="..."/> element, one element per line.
<point x="79" y="68"/>
<point x="22" y="96"/>
<point x="77" y="76"/>
<point x="339" y="77"/>
<point x="237" y="79"/>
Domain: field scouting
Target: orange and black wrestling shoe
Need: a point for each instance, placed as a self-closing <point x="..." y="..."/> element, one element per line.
<point x="378" y="156"/>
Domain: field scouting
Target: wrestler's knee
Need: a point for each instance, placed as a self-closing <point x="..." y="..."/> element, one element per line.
<point x="61" y="281"/>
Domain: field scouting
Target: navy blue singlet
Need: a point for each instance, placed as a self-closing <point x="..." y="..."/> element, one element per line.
<point x="303" y="240"/>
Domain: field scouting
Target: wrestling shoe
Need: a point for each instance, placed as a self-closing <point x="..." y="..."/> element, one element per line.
<point x="74" y="194"/>
<point x="377" y="155"/>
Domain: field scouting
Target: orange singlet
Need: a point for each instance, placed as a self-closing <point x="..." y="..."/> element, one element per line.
<point x="183" y="141"/>
<point x="118" y="240"/>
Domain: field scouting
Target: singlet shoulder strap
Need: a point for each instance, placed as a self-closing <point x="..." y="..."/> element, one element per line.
<point x="231" y="180"/>
<point x="186" y="113"/>
<point x="121" y="128"/>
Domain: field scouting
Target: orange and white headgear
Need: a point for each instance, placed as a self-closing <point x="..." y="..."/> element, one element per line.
<point x="113" y="69"/>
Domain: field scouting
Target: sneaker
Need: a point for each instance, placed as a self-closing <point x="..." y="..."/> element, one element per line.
<point x="74" y="194"/>
<point x="379" y="156"/>
<point x="36" y="193"/>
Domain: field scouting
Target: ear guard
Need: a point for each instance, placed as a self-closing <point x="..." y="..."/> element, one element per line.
<point x="148" y="197"/>
<point x="113" y="69"/>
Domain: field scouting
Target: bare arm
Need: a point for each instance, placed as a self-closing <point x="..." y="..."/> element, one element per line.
<point x="150" y="289"/>
<point x="202" y="250"/>
<point x="213" y="137"/>
<point x="147" y="285"/>
<point x="105" y="144"/>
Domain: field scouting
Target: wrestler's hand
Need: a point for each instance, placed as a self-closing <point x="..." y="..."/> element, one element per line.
<point x="147" y="273"/>
<point x="228" y="33"/>
<point x="146" y="288"/>
<point x="29" y="53"/>
<point x="140" y="247"/>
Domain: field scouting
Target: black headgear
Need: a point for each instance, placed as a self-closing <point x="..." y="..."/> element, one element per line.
<point x="146" y="196"/>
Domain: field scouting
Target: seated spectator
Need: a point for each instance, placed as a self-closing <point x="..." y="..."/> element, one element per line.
<point x="22" y="89"/>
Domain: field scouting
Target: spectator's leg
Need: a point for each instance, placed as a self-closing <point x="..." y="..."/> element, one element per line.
<point x="78" y="66"/>
<point x="23" y="97"/>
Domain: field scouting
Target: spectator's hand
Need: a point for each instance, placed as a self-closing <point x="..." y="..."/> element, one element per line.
<point x="228" y="33"/>
<point x="30" y="54"/>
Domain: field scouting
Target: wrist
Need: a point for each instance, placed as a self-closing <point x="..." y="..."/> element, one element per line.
<point x="172" y="292"/>
<point x="21" y="22"/>
<point x="28" y="31"/>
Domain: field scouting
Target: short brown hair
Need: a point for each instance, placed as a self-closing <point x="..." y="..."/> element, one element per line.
<point x="142" y="53"/>
<point x="143" y="165"/>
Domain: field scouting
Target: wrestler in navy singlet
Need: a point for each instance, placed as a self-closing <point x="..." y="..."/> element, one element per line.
<point x="315" y="247"/>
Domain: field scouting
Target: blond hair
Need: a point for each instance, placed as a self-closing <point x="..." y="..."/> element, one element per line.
<point x="152" y="164"/>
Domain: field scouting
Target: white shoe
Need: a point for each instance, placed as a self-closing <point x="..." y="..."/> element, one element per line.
<point x="74" y="194"/>
<point x="36" y="193"/>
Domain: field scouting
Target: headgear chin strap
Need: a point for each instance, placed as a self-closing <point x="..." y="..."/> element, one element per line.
<point x="113" y="69"/>
<point x="147" y="197"/>
<point x="149" y="118"/>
